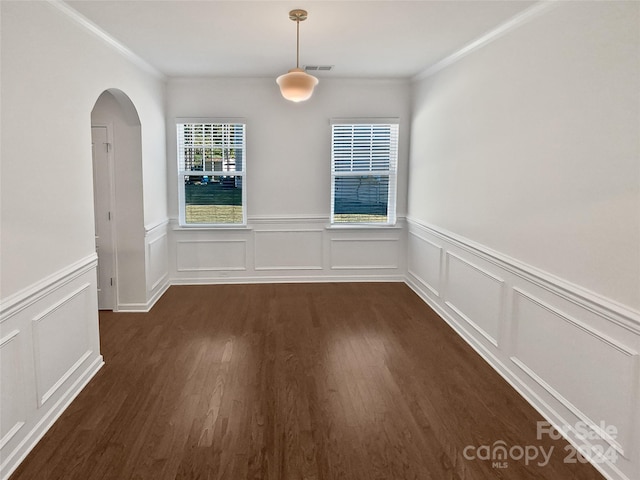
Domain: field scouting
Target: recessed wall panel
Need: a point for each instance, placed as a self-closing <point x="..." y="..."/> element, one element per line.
<point x="61" y="341"/>
<point x="591" y="373"/>
<point x="288" y="249"/>
<point x="364" y="253"/>
<point x="158" y="256"/>
<point x="475" y="295"/>
<point x="425" y="262"/>
<point x="211" y="255"/>
<point x="12" y="413"/>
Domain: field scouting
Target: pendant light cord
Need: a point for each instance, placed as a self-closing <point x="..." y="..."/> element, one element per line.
<point x="297" y="42"/>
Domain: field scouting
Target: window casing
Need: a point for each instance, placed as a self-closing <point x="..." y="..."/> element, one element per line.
<point x="211" y="172"/>
<point x="364" y="158"/>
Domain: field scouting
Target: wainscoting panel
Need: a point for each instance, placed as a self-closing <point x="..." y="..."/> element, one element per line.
<point x="475" y="295"/>
<point x="364" y="253"/>
<point x="49" y="350"/>
<point x="60" y="341"/>
<point x="158" y="251"/>
<point x="13" y="401"/>
<point x="286" y="249"/>
<point x="572" y="355"/>
<point x="299" y="249"/>
<point x="425" y="262"/>
<point x="211" y="255"/>
<point x="542" y="335"/>
<point x="156" y="240"/>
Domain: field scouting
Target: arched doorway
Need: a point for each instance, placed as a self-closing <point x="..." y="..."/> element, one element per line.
<point x="118" y="200"/>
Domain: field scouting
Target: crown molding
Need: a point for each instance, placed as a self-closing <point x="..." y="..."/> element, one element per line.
<point x="94" y="29"/>
<point x="514" y="22"/>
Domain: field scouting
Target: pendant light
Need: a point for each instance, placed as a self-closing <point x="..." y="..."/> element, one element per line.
<point x="297" y="85"/>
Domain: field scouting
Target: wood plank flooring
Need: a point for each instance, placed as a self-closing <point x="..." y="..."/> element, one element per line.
<point x="302" y="381"/>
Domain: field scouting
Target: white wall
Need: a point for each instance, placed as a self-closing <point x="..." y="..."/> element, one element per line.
<point x="288" y="144"/>
<point x="530" y="146"/>
<point x="524" y="215"/>
<point x="288" y="184"/>
<point x="53" y="71"/>
<point x="52" y="74"/>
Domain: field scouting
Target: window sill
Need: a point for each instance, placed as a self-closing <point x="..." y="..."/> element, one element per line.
<point x="209" y="228"/>
<point x="364" y="226"/>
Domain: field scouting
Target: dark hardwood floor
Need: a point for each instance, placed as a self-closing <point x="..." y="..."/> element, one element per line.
<point x="304" y="381"/>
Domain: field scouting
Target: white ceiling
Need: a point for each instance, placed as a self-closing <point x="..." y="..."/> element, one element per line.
<point x="377" y="39"/>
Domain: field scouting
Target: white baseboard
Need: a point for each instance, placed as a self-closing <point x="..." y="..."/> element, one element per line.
<point x="145" y="307"/>
<point x="288" y="279"/>
<point x="159" y="291"/>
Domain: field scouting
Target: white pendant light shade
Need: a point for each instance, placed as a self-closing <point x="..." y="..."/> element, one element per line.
<point x="297" y="85"/>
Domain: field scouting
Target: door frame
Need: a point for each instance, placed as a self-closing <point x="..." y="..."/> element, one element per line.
<point x="112" y="197"/>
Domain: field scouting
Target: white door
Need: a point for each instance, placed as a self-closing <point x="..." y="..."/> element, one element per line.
<point x="103" y="215"/>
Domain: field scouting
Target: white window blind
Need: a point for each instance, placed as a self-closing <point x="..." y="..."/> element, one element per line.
<point x="211" y="169"/>
<point x="364" y="158"/>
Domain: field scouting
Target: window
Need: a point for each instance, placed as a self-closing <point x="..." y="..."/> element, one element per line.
<point x="364" y="159"/>
<point x="211" y="170"/>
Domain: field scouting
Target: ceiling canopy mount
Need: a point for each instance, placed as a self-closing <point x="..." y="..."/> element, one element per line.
<point x="298" y="15"/>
